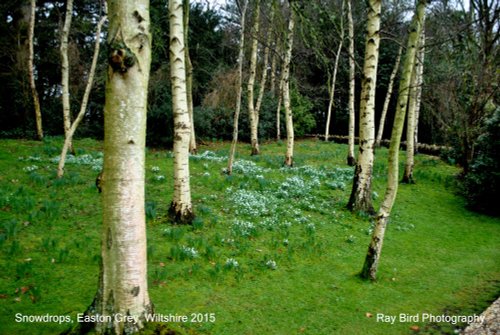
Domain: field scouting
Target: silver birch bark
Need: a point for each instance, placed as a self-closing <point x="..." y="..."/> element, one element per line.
<point x="31" y="74"/>
<point x="361" y="195"/>
<point x="189" y="78"/>
<point x="83" y="107"/>
<point x="181" y="209"/>
<point x="254" y="127"/>
<point x="65" y="71"/>
<point x="123" y="288"/>
<point x="411" y="119"/>
<point x="286" y="90"/>
<point x="420" y="83"/>
<point x="263" y="79"/>
<point x="334" y="77"/>
<point x="351" y="160"/>
<point x="370" y="266"/>
<point x="387" y="100"/>
<point x="236" y="117"/>
<point x="273" y="70"/>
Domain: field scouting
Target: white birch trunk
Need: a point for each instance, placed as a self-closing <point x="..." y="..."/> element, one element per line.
<point x="387" y="100"/>
<point x="361" y="195"/>
<point x="334" y="76"/>
<point x="83" y="107"/>
<point x="236" y="117"/>
<point x="31" y="74"/>
<point x="413" y="101"/>
<point x="123" y="289"/>
<point x="273" y="70"/>
<point x="420" y="83"/>
<point x="370" y="266"/>
<point x="181" y="209"/>
<point x="286" y="90"/>
<point x="254" y="126"/>
<point x="351" y="160"/>
<point x="189" y="78"/>
<point x="263" y="79"/>
<point x="65" y="71"/>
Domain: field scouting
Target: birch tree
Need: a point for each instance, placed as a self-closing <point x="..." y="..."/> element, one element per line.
<point x="122" y="299"/>
<point x="31" y="71"/>
<point x="181" y="209"/>
<point x="83" y="107"/>
<point x="189" y="78"/>
<point x="334" y="76"/>
<point x="351" y="160"/>
<point x="265" y="64"/>
<point x="361" y="195"/>
<point x="243" y="10"/>
<point x="370" y="266"/>
<point x="420" y="72"/>
<point x="387" y="100"/>
<point x="65" y="71"/>
<point x="251" y="82"/>
<point x="286" y="89"/>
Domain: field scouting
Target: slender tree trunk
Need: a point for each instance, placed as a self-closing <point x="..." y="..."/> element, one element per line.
<point x="236" y="117"/>
<point x="387" y="100"/>
<point x="189" y="78"/>
<point x="273" y="69"/>
<point x="263" y="79"/>
<point x="286" y="90"/>
<point x="181" y="209"/>
<point x="254" y="126"/>
<point x="68" y="140"/>
<point x="361" y="195"/>
<point x="334" y="76"/>
<point x="65" y="71"/>
<point x="370" y="266"/>
<point x="420" y="83"/>
<point x="123" y="287"/>
<point x="31" y="74"/>
<point x="351" y="160"/>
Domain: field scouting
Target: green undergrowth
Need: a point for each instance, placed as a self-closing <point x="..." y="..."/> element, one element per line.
<point x="272" y="250"/>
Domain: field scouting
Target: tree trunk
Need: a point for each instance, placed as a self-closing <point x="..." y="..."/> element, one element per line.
<point x="65" y="72"/>
<point x="181" y="210"/>
<point x="236" y="117"/>
<point x="254" y="126"/>
<point x="387" y="100"/>
<point x="370" y="266"/>
<point x="189" y="78"/>
<point x="68" y="140"/>
<point x="411" y="122"/>
<point x="123" y="287"/>
<point x="273" y="69"/>
<point x="286" y="90"/>
<point x="351" y="160"/>
<point x="334" y="80"/>
<point x="263" y="79"/>
<point x="420" y="83"/>
<point x="34" y="92"/>
<point x="361" y="195"/>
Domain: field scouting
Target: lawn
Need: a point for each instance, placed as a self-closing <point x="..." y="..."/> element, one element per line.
<point x="272" y="250"/>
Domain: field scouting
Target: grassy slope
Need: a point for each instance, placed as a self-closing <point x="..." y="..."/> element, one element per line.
<point x="437" y="255"/>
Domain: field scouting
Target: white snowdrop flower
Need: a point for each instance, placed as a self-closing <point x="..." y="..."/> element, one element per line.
<point x="271" y="264"/>
<point x="231" y="263"/>
<point x="155" y="169"/>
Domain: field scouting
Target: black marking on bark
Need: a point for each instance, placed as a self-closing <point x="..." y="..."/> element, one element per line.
<point x="109" y="239"/>
<point x="135" y="291"/>
<point x="131" y="141"/>
<point x="120" y="57"/>
<point x="138" y="17"/>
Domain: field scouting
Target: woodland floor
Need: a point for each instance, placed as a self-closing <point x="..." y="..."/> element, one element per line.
<point x="272" y="250"/>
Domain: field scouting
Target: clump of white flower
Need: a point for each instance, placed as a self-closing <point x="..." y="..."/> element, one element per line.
<point x="159" y="177"/>
<point x="30" y="168"/>
<point x="209" y="156"/>
<point x="189" y="252"/>
<point x="252" y="203"/>
<point x="244" y="228"/>
<point x="206" y="174"/>
<point x="155" y="169"/>
<point x="231" y="263"/>
<point x="271" y="264"/>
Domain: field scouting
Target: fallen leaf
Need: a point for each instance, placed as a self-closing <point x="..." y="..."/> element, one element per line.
<point x="302" y="329"/>
<point x="25" y="289"/>
<point x="18" y="299"/>
<point x="415" y="328"/>
<point x="3" y="296"/>
<point x="162" y="264"/>
<point x="368" y="314"/>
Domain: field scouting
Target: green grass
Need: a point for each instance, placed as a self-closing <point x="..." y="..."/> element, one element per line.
<point x="297" y="248"/>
